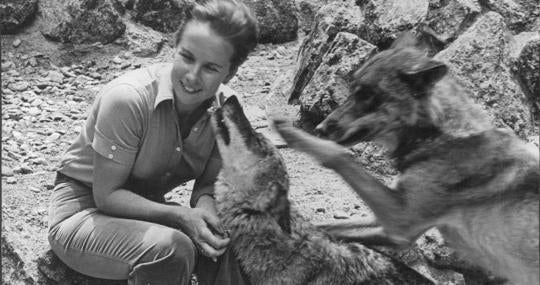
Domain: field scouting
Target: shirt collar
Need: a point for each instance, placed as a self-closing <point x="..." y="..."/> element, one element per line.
<point x="165" y="88"/>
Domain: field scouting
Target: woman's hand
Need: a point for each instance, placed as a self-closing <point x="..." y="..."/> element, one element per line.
<point x="204" y="228"/>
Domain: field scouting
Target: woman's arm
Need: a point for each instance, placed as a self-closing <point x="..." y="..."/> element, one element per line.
<point x="112" y="199"/>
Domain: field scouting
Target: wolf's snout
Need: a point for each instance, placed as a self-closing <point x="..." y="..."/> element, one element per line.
<point x="324" y="128"/>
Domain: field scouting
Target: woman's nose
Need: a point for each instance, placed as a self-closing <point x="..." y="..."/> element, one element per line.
<point x="193" y="74"/>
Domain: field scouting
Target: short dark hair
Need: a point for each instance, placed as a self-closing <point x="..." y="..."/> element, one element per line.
<point x="231" y="19"/>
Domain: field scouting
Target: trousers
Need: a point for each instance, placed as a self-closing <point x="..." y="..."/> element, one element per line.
<point x="140" y="252"/>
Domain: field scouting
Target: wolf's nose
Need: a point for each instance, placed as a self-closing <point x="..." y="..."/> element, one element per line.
<point x="321" y="130"/>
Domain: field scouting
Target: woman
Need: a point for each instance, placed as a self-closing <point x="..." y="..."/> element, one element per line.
<point x="148" y="131"/>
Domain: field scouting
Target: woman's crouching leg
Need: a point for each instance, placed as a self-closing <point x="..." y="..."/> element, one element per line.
<point x="106" y="247"/>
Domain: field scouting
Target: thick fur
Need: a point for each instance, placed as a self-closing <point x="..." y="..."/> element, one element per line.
<point x="273" y="243"/>
<point x="478" y="185"/>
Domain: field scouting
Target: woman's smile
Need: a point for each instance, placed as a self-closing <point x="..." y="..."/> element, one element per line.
<point x="201" y="64"/>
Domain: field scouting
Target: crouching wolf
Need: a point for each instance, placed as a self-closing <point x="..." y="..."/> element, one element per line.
<point x="477" y="184"/>
<point x="272" y="242"/>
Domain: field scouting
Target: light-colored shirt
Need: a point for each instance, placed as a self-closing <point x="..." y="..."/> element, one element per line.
<point x="133" y="121"/>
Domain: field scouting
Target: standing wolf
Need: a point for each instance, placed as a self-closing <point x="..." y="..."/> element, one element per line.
<point x="477" y="184"/>
<point x="273" y="243"/>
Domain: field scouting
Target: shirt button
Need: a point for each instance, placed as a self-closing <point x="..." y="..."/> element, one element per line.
<point x="178" y="149"/>
<point x="113" y="147"/>
<point x="167" y="174"/>
<point x="111" y="156"/>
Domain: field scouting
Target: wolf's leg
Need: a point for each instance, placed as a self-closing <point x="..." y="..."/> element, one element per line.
<point x="365" y="230"/>
<point x="389" y="205"/>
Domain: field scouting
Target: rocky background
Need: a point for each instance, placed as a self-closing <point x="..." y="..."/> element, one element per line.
<point x="56" y="54"/>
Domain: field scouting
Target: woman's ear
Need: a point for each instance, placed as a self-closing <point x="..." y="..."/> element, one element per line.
<point x="231" y="74"/>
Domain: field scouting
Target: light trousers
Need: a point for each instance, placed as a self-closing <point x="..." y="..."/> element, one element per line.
<point x="140" y="252"/>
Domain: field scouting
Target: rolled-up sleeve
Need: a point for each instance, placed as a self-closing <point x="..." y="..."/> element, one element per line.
<point x="204" y="184"/>
<point x="119" y="121"/>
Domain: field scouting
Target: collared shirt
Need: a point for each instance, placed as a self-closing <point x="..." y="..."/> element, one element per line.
<point x="133" y="121"/>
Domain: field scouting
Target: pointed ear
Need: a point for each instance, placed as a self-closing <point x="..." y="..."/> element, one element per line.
<point x="424" y="75"/>
<point x="404" y="40"/>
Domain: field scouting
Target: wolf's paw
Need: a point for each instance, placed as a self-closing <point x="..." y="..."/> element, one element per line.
<point x="325" y="151"/>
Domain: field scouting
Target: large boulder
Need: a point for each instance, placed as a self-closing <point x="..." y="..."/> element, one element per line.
<point x="161" y="15"/>
<point x="329" y="21"/>
<point x="143" y="41"/>
<point x="81" y="21"/>
<point x="519" y="15"/>
<point x="15" y="13"/>
<point x="446" y="20"/>
<point x="278" y="20"/>
<point x="525" y="62"/>
<point x="329" y="85"/>
<point x="386" y="19"/>
<point x="307" y="9"/>
<point x="479" y="59"/>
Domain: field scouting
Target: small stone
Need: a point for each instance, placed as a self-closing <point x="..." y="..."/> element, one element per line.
<point x="341" y="215"/>
<point x="7" y="171"/>
<point x="16" y="43"/>
<point x="11" y="180"/>
<point x="117" y="60"/>
<point x="22" y="169"/>
<point x="34" y="111"/>
<point x="320" y="210"/>
<point x="40" y="161"/>
<point x="7" y="65"/>
<point x="34" y="189"/>
<point x="18" y="86"/>
<point x="55" y="76"/>
<point x="33" y="62"/>
<point x="53" y="137"/>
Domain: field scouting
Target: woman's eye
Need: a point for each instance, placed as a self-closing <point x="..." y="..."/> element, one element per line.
<point x="211" y="69"/>
<point x="186" y="57"/>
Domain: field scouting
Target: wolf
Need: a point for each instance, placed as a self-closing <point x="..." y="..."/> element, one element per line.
<point x="273" y="243"/>
<point x="478" y="185"/>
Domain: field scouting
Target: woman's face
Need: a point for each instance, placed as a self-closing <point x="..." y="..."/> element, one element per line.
<point x="202" y="61"/>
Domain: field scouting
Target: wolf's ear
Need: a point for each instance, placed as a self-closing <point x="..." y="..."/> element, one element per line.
<point x="424" y="75"/>
<point x="404" y="40"/>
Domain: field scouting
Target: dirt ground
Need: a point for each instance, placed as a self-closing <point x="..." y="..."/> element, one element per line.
<point x="40" y="121"/>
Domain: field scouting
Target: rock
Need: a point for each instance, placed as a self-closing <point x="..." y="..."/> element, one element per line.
<point x="143" y="41"/>
<point x="6" y="65"/>
<point x="19" y="86"/>
<point x="22" y="169"/>
<point x="16" y="43"/>
<point x="55" y="76"/>
<point x="117" y="60"/>
<point x="329" y="86"/>
<point x="329" y="21"/>
<point x="161" y="15"/>
<point x="84" y="21"/>
<point x="52" y="138"/>
<point x="385" y="19"/>
<point x="307" y="10"/>
<point x="14" y="14"/>
<point x="448" y="19"/>
<point x="525" y="62"/>
<point x="11" y="180"/>
<point x="479" y="60"/>
<point x="7" y="171"/>
<point x="519" y="15"/>
<point x="277" y="19"/>
<point x="341" y="215"/>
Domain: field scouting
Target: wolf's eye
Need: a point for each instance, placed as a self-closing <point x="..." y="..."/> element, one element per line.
<point x="364" y="93"/>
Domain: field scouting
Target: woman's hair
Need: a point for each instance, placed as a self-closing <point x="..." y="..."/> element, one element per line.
<point x="231" y="19"/>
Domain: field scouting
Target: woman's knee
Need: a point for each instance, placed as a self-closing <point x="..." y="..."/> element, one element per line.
<point x="174" y="246"/>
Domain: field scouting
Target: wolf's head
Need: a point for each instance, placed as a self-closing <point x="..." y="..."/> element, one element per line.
<point x="253" y="176"/>
<point x="389" y="95"/>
